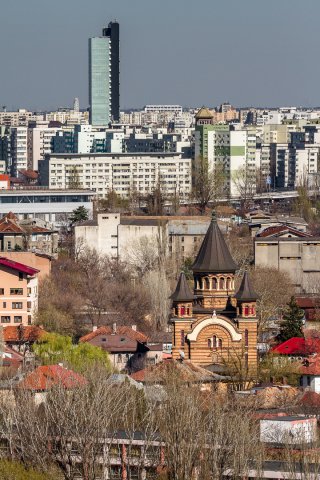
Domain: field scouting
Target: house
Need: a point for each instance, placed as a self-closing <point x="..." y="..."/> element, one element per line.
<point x="311" y="307"/>
<point x="45" y="377"/>
<point x="185" y="370"/>
<point x="27" y="235"/>
<point x="126" y="346"/>
<point x="259" y="220"/>
<point x="20" y="337"/>
<point x="297" y="348"/>
<point x="212" y="323"/>
<point x="10" y="359"/>
<point x="310" y="373"/>
<point x="18" y="292"/>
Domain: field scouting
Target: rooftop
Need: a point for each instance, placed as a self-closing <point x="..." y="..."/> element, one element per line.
<point x="45" y="377"/>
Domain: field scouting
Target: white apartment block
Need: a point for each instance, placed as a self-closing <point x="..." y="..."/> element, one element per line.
<point x="19" y="149"/>
<point x="122" y="173"/>
<point x="39" y="143"/>
<point x="163" y="108"/>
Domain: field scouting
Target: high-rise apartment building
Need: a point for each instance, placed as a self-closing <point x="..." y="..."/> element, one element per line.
<point x="104" y="84"/>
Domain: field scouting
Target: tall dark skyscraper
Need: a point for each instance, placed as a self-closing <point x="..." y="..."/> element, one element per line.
<point x="104" y="76"/>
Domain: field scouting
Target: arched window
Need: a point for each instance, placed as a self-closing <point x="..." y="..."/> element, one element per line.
<point x="221" y="283"/>
<point x="188" y="311"/>
<point x="176" y="311"/>
<point x="246" y="337"/>
<point x="214" y="283"/>
<point x="207" y="283"/>
<point x="195" y="283"/>
<point x="182" y="310"/>
<point x="209" y="343"/>
<point x="228" y="283"/>
<point x="200" y="283"/>
<point x="214" y="342"/>
<point x="246" y="311"/>
<point x="220" y="343"/>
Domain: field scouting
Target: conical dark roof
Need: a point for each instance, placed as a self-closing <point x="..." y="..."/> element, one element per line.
<point x="214" y="255"/>
<point x="182" y="292"/>
<point x="246" y="292"/>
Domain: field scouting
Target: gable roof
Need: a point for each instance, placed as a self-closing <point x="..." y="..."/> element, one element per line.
<point x="45" y="377"/>
<point x="187" y="371"/>
<point x="278" y="230"/>
<point x="21" y="333"/>
<point x="182" y="292"/>
<point x="20" y="267"/>
<point x="298" y="346"/>
<point x="214" y="255"/>
<point x="121" y="330"/>
<point x="246" y="291"/>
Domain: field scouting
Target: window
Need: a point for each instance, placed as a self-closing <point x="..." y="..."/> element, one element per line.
<point x="1" y="291"/>
<point x="220" y="343"/>
<point x="9" y="245"/>
<point x="214" y="342"/>
<point x="119" y="358"/>
<point x="182" y="310"/>
<point x="214" y="283"/>
<point x="29" y="319"/>
<point x="5" y="319"/>
<point x="17" y="319"/>
<point x="16" y="305"/>
<point x="29" y="291"/>
<point x="221" y="283"/>
<point x="20" y="276"/>
<point x="4" y="305"/>
<point x="16" y="291"/>
<point x="228" y="283"/>
<point x="308" y="381"/>
<point x="209" y="343"/>
<point x="246" y="310"/>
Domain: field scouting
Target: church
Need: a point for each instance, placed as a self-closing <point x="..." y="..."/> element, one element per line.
<point x="212" y="324"/>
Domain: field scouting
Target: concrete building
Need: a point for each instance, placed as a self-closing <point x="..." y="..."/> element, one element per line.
<point x="293" y="253"/>
<point x="118" y="236"/>
<point x="122" y="173"/>
<point x="18" y="291"/>
<point x="54" y="206"/>
<point x="104" y="96"/>
<point x="232" y="149"/>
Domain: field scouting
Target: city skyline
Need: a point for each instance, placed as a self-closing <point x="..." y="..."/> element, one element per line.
<point x="178" y="53"/>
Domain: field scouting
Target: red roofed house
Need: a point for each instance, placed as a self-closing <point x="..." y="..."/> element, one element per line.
<point x="310" y="374"/>
<point x="127" y="347"/>
<point x="27" y="235"/>
<point x="298" y="347"/>
<point x="20" y="337"/>
<point x="47" y="376"/>
<point x="18" y="292"/>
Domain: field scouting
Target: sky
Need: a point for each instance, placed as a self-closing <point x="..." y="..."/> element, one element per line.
<point x="186" y="52"/>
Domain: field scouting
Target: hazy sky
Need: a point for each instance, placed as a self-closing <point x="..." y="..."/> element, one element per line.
<point x="189" y="52"/>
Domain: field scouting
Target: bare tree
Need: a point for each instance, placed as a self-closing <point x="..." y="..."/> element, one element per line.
<point x="207" y="184"/>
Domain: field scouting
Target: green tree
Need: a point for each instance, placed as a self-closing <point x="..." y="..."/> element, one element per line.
<point x="53" y="348"/>
<point x="80" y="214"/>
<point x="16" y="471"/>
<point x="292" y="321"/>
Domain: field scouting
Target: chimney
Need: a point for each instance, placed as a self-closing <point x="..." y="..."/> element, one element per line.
<point x="114" y="328"/>
<point x="134" y="327"/>
<point x="94" y="328"/>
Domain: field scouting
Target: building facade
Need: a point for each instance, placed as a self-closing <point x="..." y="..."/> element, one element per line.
<point x="18" y="292"/>
<point x="122" y="173"/>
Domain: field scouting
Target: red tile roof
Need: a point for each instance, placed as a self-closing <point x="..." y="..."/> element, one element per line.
<point x="306" y="302"/>
<point x="298" y="346"/>
<point x="47" y="376"/>
<point x="122" y="330"/>
<point x="310" y="399"/>
<point x="279" y="229"/>
<point x="29" y="174"/>
<point x="20" y="267"/>
<point x="187" y="372"/>
<point x="28" y="333"/>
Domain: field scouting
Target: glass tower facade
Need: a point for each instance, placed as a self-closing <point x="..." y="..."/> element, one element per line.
<point x="104" y="98"/>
